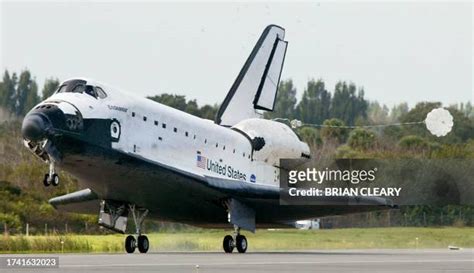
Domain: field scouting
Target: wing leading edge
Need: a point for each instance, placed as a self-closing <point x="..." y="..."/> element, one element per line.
<point x="82" y="201"/>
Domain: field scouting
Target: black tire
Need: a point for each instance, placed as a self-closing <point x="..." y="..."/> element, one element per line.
<point x="143" y="244"/>
<point x="241" y="243"/>
<point x="46" y="181"/>
<point x="130" y="244"/>
<point x="228" y="244"/>
<point x="55" y="180"/>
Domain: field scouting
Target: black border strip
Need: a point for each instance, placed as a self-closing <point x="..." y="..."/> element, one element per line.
<point x="264" y="76"/>
<point x="265" y="73"/>
<point x="279" y="77"/>
<point x="247" y="137"/>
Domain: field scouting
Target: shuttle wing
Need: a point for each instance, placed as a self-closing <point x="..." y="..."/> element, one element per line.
<point x="83" y="201"/>
<point x="251" y="191"/>
<point x="256" y="85"/>
<point x="242" y="189"/>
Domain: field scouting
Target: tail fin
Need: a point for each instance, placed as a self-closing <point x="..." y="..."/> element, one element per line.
<point x="256" y="85"/>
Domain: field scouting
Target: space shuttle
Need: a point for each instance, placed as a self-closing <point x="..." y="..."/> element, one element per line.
<point x="135" y="158"/>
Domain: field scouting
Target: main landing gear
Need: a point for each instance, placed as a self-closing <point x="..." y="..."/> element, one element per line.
<point x="139" y="241"/>
<point x="51" y="178"/>
<point x="235" y="241"/>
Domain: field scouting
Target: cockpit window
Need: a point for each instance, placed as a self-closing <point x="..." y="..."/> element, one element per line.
<point x="79" y="86"/>
<point x="100" y="92"/>
<point x="78" y="89"/>
<point x="72" y="86"/>
<point x="62" y="89"/>
<point x="90" y="91"/>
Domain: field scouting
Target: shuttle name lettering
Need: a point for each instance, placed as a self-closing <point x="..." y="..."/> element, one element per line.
<point x="117" y="108"/>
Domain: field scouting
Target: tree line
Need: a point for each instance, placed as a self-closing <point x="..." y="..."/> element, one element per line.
<point x="19" y="93"/>
<point x="344" y="105"/>
<point x="316" y="105"/>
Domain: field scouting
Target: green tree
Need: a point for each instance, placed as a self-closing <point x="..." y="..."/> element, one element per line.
<point x="413" y="142"/>
<point x="348" y="103"/>
<point x="32" y="98"/>
<point x="469" y="110"/>
<point x="361" y="139"/>
<point x="398" y="111"/>
<point x="179" y="102"/>
<point x="315" y="103"/>
<point x="192" y="108"/>
<point x="26" y="93"/>
<point x="7" y="91"/>
<point x="10" y="219"/>
<point x="208" y="111"/>
<point x="418" y="114"/>
<point x="463" y="128"/>
<point x="50" y="85"/>
<point x="377" y="114"/>
<point x="310" y="135"/>
<point x="175" y="101"/>
<point x="285" y="101"/>
<point x="346" y="152"/>
<point x="333" y="130"/>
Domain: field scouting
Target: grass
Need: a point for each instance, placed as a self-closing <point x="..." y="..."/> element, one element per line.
<point x="263" y="240"/>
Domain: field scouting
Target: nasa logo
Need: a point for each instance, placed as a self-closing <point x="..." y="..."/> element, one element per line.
<point x="253" y="178"/>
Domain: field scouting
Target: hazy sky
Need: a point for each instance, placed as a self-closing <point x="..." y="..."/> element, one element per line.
<point x="396" y="51"/>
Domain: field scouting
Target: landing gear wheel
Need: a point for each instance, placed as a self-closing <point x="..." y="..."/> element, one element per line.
<point x="228" y="244"/>
<point x="241" y="243"/>
<point x="130" y="244"/>
<point x="55" y="180"/>
<point x="143" y="244"/>
<point x="46" y="181"/>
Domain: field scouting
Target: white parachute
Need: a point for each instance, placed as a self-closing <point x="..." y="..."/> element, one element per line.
<point x="439" y="122"/>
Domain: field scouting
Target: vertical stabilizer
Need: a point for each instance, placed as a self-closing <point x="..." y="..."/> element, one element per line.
<point x="256" y="85"/>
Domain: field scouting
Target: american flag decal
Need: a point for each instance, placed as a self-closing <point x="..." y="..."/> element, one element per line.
<point x="201" y="161"/>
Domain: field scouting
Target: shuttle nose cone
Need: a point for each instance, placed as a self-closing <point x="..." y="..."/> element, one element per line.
<point x="34" y="127"/>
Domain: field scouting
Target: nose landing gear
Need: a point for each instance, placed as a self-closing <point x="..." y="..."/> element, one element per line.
<point x="47" y="152"/>
<point x="51" y="178"/>
<point x="141" y="241"/>
<point x="235" y="241"/>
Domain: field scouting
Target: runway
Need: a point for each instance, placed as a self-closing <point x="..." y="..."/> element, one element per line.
<point x="307" y="261"/>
